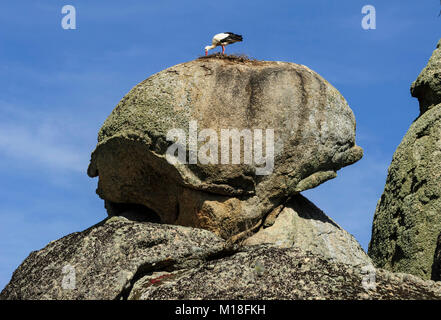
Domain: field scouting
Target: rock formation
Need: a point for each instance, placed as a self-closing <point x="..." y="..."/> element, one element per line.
<point x="407" y="220"/>
<point x="313" y="128"/>
<point x="124" y="258"/>
<point x="107" y="259"/>
<point x="283" y="273"/>
<point x="262" y="239"/>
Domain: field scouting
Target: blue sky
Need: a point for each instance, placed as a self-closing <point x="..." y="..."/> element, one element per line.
<point x="58" y="86"/>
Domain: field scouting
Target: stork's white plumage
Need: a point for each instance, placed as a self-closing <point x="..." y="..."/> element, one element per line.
<point x="223" y="39"/>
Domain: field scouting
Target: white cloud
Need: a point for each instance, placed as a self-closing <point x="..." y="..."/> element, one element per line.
<point x="32" y="145"/>
<point x="40" y="139"/>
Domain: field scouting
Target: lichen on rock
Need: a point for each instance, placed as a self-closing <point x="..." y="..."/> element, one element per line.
<point x="407" y="219"/>
<point x="108" y="258"/>
<point x="121" y="258"/>
<point x="268" y="272"/>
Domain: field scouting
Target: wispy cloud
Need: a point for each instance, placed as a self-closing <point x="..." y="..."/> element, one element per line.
<point x="33" y="145"/>
<point x="40" y="139"/>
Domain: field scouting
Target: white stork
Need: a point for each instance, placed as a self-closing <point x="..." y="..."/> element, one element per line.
<point x="223" y="39"/>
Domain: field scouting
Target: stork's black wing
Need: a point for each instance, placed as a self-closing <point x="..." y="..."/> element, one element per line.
<point x="232" y="37"/>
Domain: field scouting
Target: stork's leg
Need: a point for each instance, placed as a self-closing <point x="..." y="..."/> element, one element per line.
<point x="223" y="49"/>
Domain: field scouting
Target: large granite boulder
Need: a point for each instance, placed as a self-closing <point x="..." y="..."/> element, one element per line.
<point x="111" y="256"/>
<point x="104" y="261"/>
<point x="125" y="257"/>
<point x="268" y="272"/>
<point x="407" y="219"/>
<point x="303" y="125"/>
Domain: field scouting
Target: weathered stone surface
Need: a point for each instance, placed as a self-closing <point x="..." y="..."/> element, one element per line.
<point x="268" y="272"/>
<point x="427" y="87"/>
<point x="126" y="258"/>
<point x="407" y="220"/>
<point x="301" y="224"/>
<point x="314" y="136"/>
<point x="108" y="258"/>
<point x="436" y="269"/>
